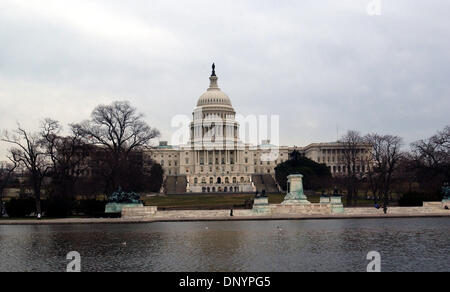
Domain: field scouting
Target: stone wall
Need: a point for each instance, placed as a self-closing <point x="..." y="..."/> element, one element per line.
<point x="431" y="208"/>
<point x="434" y="205"/>
<point x="139" y="212"/>
<point x="306" y="209"/>
<point x="188" y="214"/>
<point x="428" y="208"/>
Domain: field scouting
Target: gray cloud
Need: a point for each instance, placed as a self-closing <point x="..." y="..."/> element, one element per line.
<point x="319" y="64"/>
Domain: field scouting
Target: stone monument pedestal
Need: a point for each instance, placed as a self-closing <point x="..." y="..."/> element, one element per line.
<point x="261" y="205"/>
<point x="116" y="208"/>
<point x="446" y="195"/>
<point x="324" y="200"/>
<point x="446" y="202"/>
<point x="295" y="195"/>
<point x="336" y="205"/>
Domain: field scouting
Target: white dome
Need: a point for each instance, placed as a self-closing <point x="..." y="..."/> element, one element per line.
<point x="214" y="96"/>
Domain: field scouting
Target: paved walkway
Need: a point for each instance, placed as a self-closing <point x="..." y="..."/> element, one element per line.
<point x="236" y="218"/>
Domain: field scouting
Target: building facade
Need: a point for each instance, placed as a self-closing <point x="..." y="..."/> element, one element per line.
<point x="216" y="160"/>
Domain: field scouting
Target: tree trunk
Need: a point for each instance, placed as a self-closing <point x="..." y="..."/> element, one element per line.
<point x="38" y="205"/>
<point x="1" y="203"/>
<point x="386" y="199"/>
<point x="349" y="197"/>
<point x="37" y="195"/>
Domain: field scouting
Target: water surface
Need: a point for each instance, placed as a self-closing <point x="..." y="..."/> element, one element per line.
<point x="312" y="245"/>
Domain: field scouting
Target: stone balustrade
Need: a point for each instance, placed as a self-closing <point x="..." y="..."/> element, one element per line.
<point x="428" y="208"/>
<point x="301" y="209"/>
<point x="139" y="212"/>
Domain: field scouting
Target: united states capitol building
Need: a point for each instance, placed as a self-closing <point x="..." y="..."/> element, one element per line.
<point x="216" y="160"/>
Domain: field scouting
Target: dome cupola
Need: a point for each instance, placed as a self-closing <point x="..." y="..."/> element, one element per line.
<point x="214" y="96"/>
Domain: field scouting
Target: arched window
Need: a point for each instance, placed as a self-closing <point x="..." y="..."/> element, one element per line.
<point x="227" y="180"/>
<point x="195" y="180"/>
<point x="234" y="180"/>
<point x="242" y="180"/>
<point x="211" y="180"/>
<point x="219" y="180"/>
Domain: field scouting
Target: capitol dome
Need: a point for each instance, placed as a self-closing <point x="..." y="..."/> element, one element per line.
<point x="214" y="96"/>
<point x="214" y="119"/>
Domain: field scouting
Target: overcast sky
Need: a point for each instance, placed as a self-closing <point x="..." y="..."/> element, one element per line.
<point x="320" y="65"/>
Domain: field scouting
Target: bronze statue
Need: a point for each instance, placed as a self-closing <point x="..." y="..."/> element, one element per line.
<point x="213" y="70"/>
<point x="124" y="197"/>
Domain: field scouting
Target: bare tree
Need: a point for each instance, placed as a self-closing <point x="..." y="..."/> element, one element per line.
<point x="385" y="157"/>
<point x="352" y="142"/>
<point x="29" y="151"/>
<point x="405" y="174"/>
<point x="119" y="129"/>
<point x="68" y="156"/>
<point x="435" y="151"/>
<point x="6" y="171"/>
<point x="432" y="159"/>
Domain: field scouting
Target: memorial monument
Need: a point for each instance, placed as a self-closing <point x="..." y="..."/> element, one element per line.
<point x="295" y="195"/>
<point x="261" y="203"/>
<point x="120" y="199"/>
<point x="336" y="203"/>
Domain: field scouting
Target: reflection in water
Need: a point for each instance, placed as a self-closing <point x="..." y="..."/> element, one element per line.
<point x="313" y="245"/>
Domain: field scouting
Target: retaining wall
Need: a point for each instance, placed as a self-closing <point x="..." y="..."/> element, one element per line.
<point x="280" y="210"/>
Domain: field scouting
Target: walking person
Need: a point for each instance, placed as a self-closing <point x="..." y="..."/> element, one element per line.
<point x="385" y="207"/>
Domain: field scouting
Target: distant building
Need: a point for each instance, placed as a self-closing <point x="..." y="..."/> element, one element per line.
<point x="215" y="160"/>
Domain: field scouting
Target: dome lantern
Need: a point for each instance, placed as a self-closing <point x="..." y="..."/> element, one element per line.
<point x="213" y="95"/>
